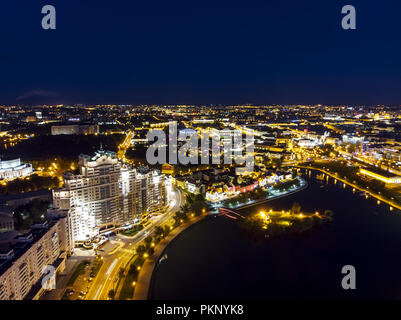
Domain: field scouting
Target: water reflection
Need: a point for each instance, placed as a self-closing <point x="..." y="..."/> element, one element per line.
<point x="214" y="259"/>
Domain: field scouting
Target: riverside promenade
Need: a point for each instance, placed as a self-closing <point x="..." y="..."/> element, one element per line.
<point x="143" y="284"/>
<point x="373" y="194"/>
<point x="142" y="287"/>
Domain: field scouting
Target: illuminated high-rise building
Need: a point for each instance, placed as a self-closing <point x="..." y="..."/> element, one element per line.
<point x="108" y="193"/>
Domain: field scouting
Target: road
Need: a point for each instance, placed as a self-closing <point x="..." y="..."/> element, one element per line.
<point x="122" y="148"/>
<point x="106" y="278"/>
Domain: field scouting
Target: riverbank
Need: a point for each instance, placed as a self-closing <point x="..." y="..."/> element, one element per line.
<point x="203" y="260"/>
<point x="368" y="191"/>
<point x="144" y="285"/>
<point x="144" y="282"/>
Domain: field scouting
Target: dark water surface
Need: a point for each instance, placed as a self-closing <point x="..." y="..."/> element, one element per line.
<point x="215" y="259"/>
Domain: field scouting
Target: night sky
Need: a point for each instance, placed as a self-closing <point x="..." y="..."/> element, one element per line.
<point x="201" y="52"/>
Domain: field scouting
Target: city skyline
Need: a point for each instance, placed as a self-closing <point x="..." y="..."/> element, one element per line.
<point x="125" y="214"/>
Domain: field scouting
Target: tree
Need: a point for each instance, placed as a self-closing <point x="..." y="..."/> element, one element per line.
<point x="32" y="212"/>
<point x="133" y="271"/>
<point x="185" y="209"/>
<point x="151" y="251"/>
<point x="198" y="208"/>
<point x="158" y="231"/>
<point x="111" y="294"/>
<point x="200" y="197"/>
<point x="121" y="272"/>
<point x="166" y="230"/>
<point x="296" y="208"/>
<point x="148" y="241"/>
<point x="180" y="215"/>
<point x="140" y="249"/>
<point x="32" y="183"/>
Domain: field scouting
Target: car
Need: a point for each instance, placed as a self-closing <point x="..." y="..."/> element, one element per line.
<point x="92" y="275"/>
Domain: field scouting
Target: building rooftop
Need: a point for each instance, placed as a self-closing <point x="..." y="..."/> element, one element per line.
<point x="101" y="153"/>
<point x="10" y="252"/>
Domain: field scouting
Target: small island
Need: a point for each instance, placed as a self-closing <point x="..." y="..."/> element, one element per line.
<point x="270" y="223"/>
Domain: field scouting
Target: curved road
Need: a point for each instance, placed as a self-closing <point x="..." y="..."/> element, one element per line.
<point x="120" y="257"/>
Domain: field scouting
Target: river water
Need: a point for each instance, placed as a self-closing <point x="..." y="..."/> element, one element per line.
<point x="215" y="259"/>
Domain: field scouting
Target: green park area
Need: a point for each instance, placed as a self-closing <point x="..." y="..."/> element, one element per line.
<point x="132" y="231"/>
<point x="32" y="183"/>
<point x="27" y="214"/>
<point x="67" y="147"/>
<point x="128" y="286"/>
<point x="79" y="270"/>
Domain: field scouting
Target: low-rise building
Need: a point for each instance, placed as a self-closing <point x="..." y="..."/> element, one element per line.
<point x="75" y="129"/>
<point x="381" y="175"/>
<point x="11" y="169"/>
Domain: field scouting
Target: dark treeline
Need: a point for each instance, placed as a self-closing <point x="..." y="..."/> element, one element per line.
<point x="62" y="146"/>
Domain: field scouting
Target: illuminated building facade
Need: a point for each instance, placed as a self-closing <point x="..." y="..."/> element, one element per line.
<point x="108" y="193"/>
<point x="167" y="168"/>
<point x="75" y="129"/>
<point x="11" y="169"/>
<point x="383" y="176"/>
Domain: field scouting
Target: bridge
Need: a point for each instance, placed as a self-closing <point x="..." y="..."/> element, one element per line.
<point x="229" y="213"/>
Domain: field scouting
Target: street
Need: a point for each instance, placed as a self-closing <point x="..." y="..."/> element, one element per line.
<point x="108" y="274"/>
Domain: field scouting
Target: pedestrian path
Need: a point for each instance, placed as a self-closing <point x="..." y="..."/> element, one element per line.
<point x="145" y="276"/>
